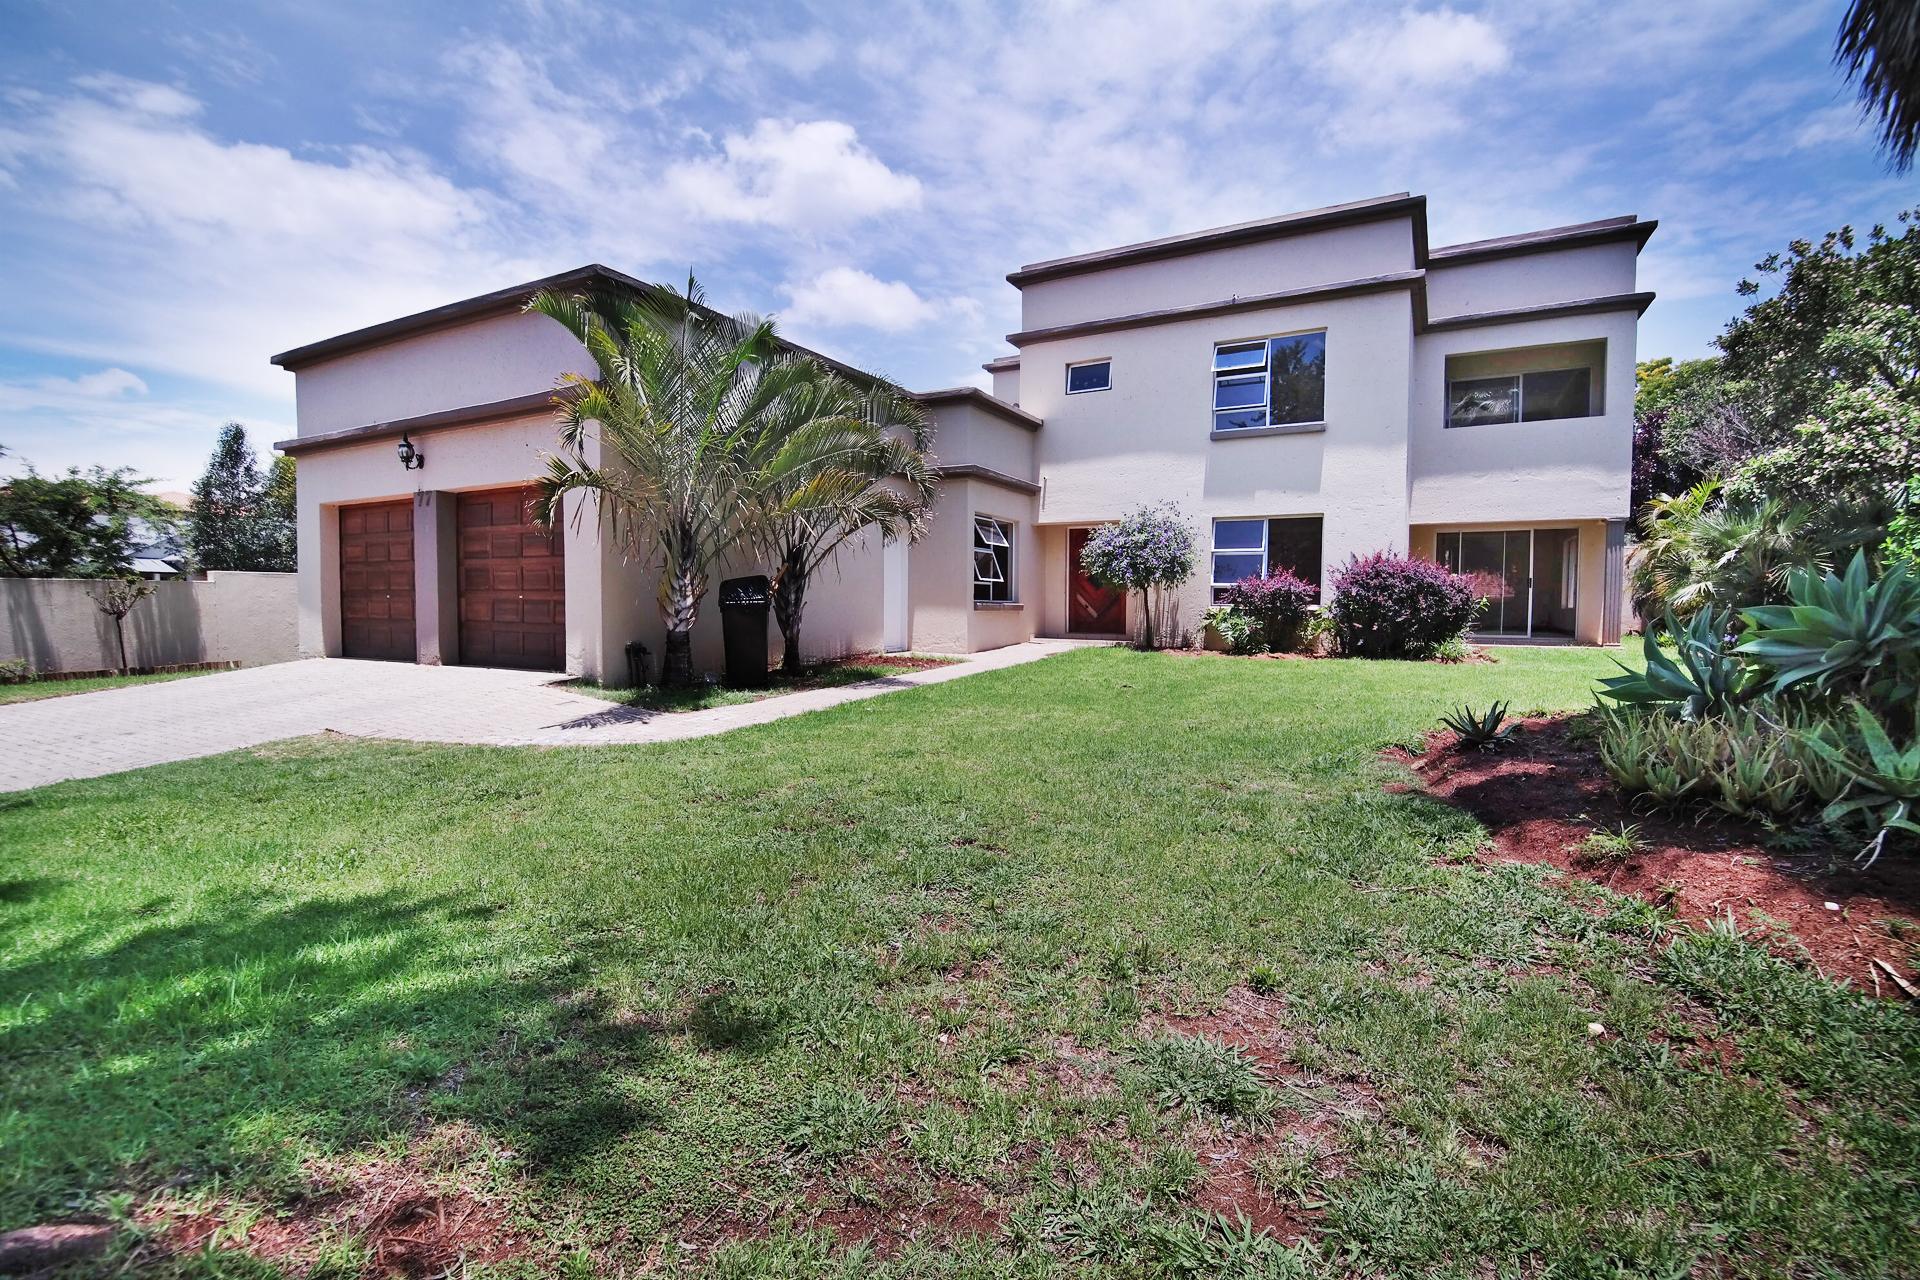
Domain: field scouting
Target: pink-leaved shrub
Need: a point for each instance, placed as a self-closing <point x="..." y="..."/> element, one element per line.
<point x="1389" y="606"/>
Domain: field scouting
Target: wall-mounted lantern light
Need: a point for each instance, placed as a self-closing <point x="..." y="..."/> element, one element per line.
<point x="411" y="458"/>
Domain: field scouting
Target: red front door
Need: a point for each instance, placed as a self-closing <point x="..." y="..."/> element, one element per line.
<point x="1091" y="610"/>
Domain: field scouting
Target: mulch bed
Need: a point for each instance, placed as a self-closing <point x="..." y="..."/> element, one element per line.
<point x="1543" y="794"/>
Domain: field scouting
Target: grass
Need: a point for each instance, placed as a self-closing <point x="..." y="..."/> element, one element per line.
<point x="702" y="697"/>
<point x="910" y="958"/>
<point x="34" y="690"/>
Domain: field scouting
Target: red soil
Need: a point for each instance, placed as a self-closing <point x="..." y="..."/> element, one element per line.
<point x="1544" y="794"/>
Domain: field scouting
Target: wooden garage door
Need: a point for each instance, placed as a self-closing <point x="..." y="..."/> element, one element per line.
<point x="513" y="604"/>
<point x="376" y="581"/>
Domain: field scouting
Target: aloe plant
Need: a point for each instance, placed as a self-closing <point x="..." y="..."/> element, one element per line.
<point x="1886" y="780"/>
<point x="1485" y="730"/>
<point x="1703" y="675"/>
<point x="1851" y="633"/>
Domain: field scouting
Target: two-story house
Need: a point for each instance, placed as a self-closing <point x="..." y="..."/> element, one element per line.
<point x="1306" y="388"/>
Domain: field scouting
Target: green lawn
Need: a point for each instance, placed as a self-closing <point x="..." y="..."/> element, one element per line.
<point x="34" y="690"/>
<point x="914" y="958"/>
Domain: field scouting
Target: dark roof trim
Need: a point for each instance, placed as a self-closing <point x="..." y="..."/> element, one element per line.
<point x="972" y="471"/>
<point x="1634" y="302"/>
<point x="1228" y="306"/>
<point x="980" y="400"/>
<point x="498" y="303"/>
<point x="1579" y="235"/>
<point x="517" y="407"/>
<point x="1379" y="208"/>
<point x="1002" y="365"/>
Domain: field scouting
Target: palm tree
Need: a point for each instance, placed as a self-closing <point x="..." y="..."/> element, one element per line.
<point x="1879" y="45"/>
<point x="832" y="461"/>
<point x="677" y="412"/>
<point x="1698" y="551"/>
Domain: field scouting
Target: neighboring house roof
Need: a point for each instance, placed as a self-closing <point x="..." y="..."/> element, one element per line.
<point x="142" y="564"/>
<point x="980" y="400"/>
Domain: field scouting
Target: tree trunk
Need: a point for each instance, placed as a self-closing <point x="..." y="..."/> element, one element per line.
<point x="120" y="634"/>
<point x="789" y="602"/>
<point x="680" y="592"/>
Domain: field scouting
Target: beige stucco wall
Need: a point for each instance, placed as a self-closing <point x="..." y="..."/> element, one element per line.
<point x="1530" y="280"/>
<point x="55" y="624"/>
<point x="478" y="363"/>
<point x="940" y="577"/>
<point x="1325" y="257"/>
<point x="1006" y="385"/>
<point x="1574" y="468"/>
<point x="1148" y="439"/>
<point x="966" y="434"/>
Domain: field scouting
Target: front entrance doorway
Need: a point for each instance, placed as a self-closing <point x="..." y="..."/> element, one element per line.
<point x="1092" y="610"/>
<point x="1530" y="577"/>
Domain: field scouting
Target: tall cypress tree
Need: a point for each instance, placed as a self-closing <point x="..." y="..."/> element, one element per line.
<point x="227" y="500"/>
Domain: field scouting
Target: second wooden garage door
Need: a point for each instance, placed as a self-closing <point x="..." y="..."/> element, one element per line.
<point x="513" y="604"/>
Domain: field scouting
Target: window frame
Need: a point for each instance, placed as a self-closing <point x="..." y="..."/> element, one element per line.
<point x="1519" y="396"/>
<point x="1002" y="552"/>
<point x="1085" y="364"/>
<point x="1215" y="587"/>
<point x="1263" y="370"/>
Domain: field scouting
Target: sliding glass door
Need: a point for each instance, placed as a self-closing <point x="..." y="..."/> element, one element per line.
<point x="1528" y="577"/>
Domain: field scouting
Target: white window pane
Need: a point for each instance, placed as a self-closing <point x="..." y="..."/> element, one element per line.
<point x="1556" y="393"/>
<point x="1231" y="566"/>
<point x="1241" y="355"/>
<point x="1480" y="400"/>
<point x="990" y="532"/>
<point x="1239" y="535"/>
<point x="1298" y="370"/>
<point x="986" y="566"/>
<point x="1239" y="419"/>
<point x="1240" y="392"/>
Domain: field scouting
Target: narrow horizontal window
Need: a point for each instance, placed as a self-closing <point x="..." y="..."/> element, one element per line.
<point x="1474" y="402"/>
<point x="1240" y="356"/>
<point x="1094" y="375"/>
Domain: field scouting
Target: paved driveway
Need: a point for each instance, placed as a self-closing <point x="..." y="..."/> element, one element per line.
<point x="89" y="734"/>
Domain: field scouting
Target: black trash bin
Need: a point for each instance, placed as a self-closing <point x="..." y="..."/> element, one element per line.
<point x="743" y="620"/>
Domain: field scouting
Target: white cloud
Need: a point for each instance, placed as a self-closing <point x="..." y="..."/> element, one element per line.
<point x="806" y="175"/>
<point x="1403" y="78"/>
<point x="142" y="97"/>
<point x="87" y="389"/>
<point x="846" y="297"/>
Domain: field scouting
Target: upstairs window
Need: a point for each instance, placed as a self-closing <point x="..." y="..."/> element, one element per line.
<point x="1089" y="375"/>
<point x="1534" y="384"/>
<point x="1270" y="382"/>
<point x="992" y="559"/>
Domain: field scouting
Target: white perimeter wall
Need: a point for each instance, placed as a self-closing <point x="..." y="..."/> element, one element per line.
<point x="56" y="625"/>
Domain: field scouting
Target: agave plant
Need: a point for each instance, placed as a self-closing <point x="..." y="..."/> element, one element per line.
<point x="1852" y="633"/>
<point x="1886" y="780"/>
<point x="1483" y="730"/>
<point x="1701" y="678"/>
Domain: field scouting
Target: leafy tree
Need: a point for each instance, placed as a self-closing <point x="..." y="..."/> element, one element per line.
<point x="1150" y="547"/>
<point x="1699" y="551"/>
<point x="118" y="597"/>
<point x="685" y="399"/>
<point x="279" y="515"/>
<point x="238" y="521"/>
<point x="83" y="524"/>
<point x="1879" y="45"/>
<point x="831" y="459"/>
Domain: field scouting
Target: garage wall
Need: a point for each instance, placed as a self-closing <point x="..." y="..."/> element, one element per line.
<point x="55" y="624"/>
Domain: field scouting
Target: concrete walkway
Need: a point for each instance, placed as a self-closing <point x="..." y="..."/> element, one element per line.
<point x="88" y="735"/>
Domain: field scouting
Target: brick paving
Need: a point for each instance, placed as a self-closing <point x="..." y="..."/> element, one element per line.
<point x="88" y="735"/>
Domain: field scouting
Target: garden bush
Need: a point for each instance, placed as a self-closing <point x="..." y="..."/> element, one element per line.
<point x="1279" y="603"/>
<point x="1236" y="628"/>
<point x="1388" y="606"/>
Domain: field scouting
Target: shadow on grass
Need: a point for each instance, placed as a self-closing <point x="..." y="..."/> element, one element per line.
<point x="223" y="1035"/>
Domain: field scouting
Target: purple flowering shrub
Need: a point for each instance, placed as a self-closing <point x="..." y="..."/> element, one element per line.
<point x="1388" y="606"/>
<point x="1278" y="602"/>
<point x="1149" y="547"/>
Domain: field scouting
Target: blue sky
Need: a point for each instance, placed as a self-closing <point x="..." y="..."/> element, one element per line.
<point x="187" y="189"/>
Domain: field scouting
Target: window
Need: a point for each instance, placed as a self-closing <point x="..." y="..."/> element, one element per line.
<point x="1093" y="375"/>
<point x="1250" y="547"/>
<point x="992" y="559"/>
<point x="1520" y="397"/>
<point x="1272" y="382"/>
